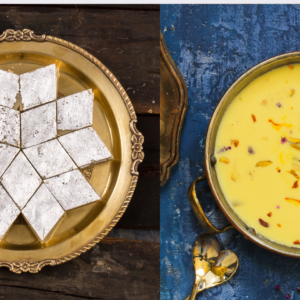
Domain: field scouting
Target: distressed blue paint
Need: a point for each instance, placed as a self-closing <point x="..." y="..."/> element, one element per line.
<point x="213" y="45"/>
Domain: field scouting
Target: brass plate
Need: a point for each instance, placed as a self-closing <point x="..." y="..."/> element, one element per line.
<point x="114" y="120"/>
<point x="173" y="104"/>
<point x="209" y="160"/>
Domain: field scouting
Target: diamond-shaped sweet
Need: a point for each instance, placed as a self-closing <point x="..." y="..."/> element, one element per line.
<point x="8" y="212"/>
<point x="21" y="180"/>
<point x="43" y="155"/>
<point x="49" y="159"/>
<point x="42" y="212"/>
<point x="9" y="126"/>
<point x="38" y="125"/>
<point x="38" y="87"/>
<point x="9" y="83"/>
<point x="71" y="190"/>
<point x="7" y="154"/>
<point x="75" y="111"/>
<point x="85" y="147"/>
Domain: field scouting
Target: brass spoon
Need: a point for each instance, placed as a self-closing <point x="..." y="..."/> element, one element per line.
<point x="205" y="254"/>
<point x="225" y="267"/>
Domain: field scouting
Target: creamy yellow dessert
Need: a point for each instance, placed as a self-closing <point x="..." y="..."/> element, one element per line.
<point x="258" y="155"/>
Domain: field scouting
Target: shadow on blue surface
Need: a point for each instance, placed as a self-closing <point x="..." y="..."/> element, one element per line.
<point x="213" y="45"/>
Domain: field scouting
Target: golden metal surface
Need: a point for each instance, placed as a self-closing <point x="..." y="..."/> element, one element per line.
<point x="114" y="120"/>
<point x="173" y="104"/>
<point x="212" y="266"/>
<point x="200" y="214"/>
<point x="209" y="160"/>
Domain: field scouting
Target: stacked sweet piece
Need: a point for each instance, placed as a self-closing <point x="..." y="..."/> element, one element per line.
<point x="39" y="169"/>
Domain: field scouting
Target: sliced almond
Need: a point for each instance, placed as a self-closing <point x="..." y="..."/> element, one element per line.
<point x="233" y="177"/>
<point x="224" y="160"/>
<point x="296" y="146"/>
<point x="264" y="163"/>
<point x="293" y="172"/>
<point x="288" y="130"/>
<point x="296" y="167"/>
<point x="293" y="140"/>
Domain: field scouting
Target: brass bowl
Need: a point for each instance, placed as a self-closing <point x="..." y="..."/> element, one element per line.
<point x="115" y="180"/>
<point x="210" y="160"/>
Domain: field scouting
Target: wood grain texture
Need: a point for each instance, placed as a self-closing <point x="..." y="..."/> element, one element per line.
<point x="143" y="210"/>
<point x="115" y="269"/>
<point x="125" y="40"/>
<point x="213" y="45"/>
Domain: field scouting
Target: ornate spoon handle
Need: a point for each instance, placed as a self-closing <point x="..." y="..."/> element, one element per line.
<point x="197" y="287"/>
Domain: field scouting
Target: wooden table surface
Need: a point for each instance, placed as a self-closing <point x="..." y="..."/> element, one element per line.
<point x="126" y="40"/>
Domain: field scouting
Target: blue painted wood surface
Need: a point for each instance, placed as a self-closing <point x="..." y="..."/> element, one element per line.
<point x="212" y="46"/>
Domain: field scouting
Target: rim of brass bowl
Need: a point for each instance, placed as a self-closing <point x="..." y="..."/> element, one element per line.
<point x="235" y="88"/>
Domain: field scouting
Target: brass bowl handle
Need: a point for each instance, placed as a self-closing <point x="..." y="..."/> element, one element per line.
<point x="200" y="214"/>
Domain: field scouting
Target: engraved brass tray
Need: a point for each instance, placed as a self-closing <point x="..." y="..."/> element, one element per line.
<point x="114" y="120"/>
<point x="210" y="160"/>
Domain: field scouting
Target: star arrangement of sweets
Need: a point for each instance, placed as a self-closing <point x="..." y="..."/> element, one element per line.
<point x="39" y="169"/>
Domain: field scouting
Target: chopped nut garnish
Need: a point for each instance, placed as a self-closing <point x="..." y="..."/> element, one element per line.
<point x="235" y="143"/>
<point x="291" y="67"/>
<point x="253" y="118"/>
<point x="293" y="172"/>
<point x="264" y="163"/>
<point x="296" y="167"/>
<point x="233" y="177"/>
<point x="295" y="185"/>
<point x="263" y="223"/>
<point x="293" y="140"/>
<point x="250" y="150"/>
<point x="278" y="169"/>
<point x="269" y="214"/>
<point x="224" y="160"/>
<point x="264" y="102"/>
<point x="296" y="146"/>
<point x="294" y="201"/>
